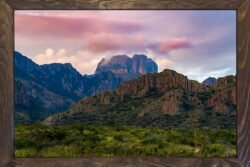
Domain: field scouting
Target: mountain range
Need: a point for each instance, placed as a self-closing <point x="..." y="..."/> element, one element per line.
<point x="166" y="99"/>
<point x="122" y="91"/>
<point x="42" y="90"/>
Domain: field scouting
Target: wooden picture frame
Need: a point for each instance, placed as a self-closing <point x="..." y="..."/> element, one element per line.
<point x="7" y="8"/>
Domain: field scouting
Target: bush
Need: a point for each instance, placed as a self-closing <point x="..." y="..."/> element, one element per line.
<point x="109" y="141"/>
<point x="25" y="143"/>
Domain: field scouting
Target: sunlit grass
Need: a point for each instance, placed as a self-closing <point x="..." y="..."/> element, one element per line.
<point x="107" y="141"/>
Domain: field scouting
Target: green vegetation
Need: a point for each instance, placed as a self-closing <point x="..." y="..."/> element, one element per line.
<point x="119" y="141"/>
<point x="145" y="112"/>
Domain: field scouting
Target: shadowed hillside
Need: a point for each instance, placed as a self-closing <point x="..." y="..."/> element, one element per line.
<point x="41" y="90"/>
<point x="166" y="99"/>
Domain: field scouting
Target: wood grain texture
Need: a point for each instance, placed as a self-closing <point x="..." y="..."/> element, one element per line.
<point x="6" y="79"/>
<point x="124" y="4"/>
<point x="6" y="83"/>
<point x="128" y="162"/>
<point x="243" y="84"/>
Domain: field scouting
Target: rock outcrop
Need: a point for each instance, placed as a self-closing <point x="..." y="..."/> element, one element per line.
<point x="224" y="99"/>
<point x="166" y="80"/>
<point x="209" y="81"/>
<point x="224" y="82"/>
<point x="171" y="102"/>
<point x="126" y="67"/>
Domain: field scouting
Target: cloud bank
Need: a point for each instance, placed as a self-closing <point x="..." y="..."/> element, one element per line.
<point x="198" y="44"/>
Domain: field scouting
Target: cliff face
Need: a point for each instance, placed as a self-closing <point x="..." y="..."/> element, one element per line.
<point x="153" y="95"/>
<point x="224" y="82"/>
<point x="166" y="80"/>
<point x="120" y="64"/>
<point x="142" y="64"/>
<point x="224" y="100"/>
<point x="127" y="67"/>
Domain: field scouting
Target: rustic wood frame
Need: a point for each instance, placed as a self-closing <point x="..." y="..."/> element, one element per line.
<point x="7" y="8"/>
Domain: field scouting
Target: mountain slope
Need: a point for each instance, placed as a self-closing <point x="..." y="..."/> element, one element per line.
<point x="34" y="102"/>
<point x="62" y="79"/>
<point x="42" y="86"/>
<point x="166" y="99"/>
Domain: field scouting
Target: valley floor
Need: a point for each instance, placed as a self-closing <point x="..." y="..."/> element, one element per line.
<point x="108" y="141"/>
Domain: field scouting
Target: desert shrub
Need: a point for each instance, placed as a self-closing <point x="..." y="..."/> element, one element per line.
<point x="215" y="149"/>
<point x="21" y="143"/>
<point x="50" y="134"/>
<point x="119" y="141"/>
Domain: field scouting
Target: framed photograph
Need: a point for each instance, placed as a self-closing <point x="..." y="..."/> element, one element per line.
<point x="124" y="83"/>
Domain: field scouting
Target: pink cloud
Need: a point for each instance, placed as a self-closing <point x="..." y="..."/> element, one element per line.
<point x="115" y="42"/>
<point x="74" y="26"/>
<point x="118" y="42"/>
<point x="168" y="45"/>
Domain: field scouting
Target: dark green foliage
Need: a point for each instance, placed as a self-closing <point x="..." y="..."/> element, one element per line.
<point x="127" y="114"/>
<point x="26" y="143"/>
<point x="146" y="112"/>
<point x="29" y="115"/>
<point x="119" y="141"/>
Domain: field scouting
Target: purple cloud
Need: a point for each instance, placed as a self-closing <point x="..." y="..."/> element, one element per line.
<point x="117" y="42"/>
<point x="71" y="27"/>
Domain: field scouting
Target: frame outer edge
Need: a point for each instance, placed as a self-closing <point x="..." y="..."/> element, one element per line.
<point x="122" y="4"/>
<point x="243" y="89"/>
<point x="6" y="86"/>
<point x="7" y="76"/>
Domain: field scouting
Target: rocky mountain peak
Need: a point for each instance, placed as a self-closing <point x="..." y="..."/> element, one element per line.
<point x="60" y="68"/>
<point x="59" y="65"/>
<point x="128" y="67"/>
<point x="24" y="64"/>
<point x="209" y="81"/>
<point x="140" y="56"/>
<point x="102" y="62"/>
<point x="169" y="72"/>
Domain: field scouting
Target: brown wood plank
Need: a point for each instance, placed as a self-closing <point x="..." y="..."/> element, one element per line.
<point x="128" y="162"/>
<point x="243" y="84"/>
<point x="6" y="83"/>
<point x="6" y="79"/>
<point x="124" y="4"/>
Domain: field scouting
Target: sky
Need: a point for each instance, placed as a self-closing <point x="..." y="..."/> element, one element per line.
<point x="196" y="43"/>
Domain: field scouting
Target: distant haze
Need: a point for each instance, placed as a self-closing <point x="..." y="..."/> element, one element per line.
<point x="198" y="43"/>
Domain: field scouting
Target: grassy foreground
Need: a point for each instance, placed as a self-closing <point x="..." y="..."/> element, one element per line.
<point x="107" y="141"/>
